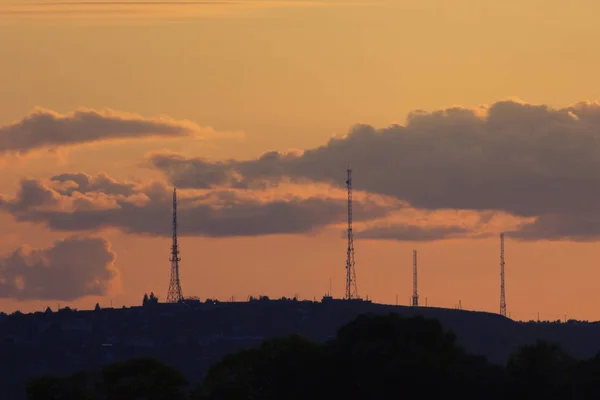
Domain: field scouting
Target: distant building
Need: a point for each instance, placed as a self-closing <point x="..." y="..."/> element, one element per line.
<point x="195" y="301"/>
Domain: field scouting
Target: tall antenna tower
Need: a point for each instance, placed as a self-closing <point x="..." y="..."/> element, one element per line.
<point x="502" y="294"/>
<point x="415" y="296"/>
<point x="351" y="289"/>
<point x="174" y="295"/>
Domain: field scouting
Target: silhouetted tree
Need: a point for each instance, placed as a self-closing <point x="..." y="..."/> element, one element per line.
<point x="142" y="378"/>
<point x="587" y="378"/>
<point x="77" y="386"/>
<point x="139" y="379"/>
<point x="372" y="357"/>
<point x="149" y="300"/>
<point x="377" y="355"/>
<point x="285" y="368"/>
<point x="542" y="370"/>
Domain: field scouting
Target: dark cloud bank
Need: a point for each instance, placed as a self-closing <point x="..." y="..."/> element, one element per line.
<point x="70" y="269"/>
<point x="526" y="160"/>
<point x="48" y="129"/>
<point x="78" y="202"/>
<point x="414" y="233"/>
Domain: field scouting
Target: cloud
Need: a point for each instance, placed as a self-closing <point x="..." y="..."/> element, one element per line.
<point x="409" y="224"/>
<point x="150" y="10"/>
<point x="70" y="269"/>
<point x="78" y="202"/>
<point x="513" y="157"/>
<point x="48" y="129"/>
<point x="575" y="227"/>
<point x="414" y="233"/>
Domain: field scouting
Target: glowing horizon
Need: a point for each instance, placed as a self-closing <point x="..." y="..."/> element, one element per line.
<point x="254" y="110"/>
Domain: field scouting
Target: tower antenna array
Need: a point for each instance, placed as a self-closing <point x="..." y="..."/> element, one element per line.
<point x="502" y="294"/>
<point x="351" y="289"/>
<point x="415" y="296"/>
<point x="174" y="295"/>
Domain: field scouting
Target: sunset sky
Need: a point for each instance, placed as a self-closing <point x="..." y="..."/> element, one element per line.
<point x="461" y="119"/>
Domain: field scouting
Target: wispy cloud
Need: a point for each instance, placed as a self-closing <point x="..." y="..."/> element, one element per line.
<point x="48" y="129"/>
<point x="163" y="10"/>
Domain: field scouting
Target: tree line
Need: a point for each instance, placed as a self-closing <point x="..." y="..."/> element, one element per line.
<point x="372" y="357"/>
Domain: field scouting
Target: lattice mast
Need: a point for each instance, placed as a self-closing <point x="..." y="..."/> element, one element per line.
<point x="351" y="289"/>
<point x="415" y="296"/>
<point x="502" y="293"/>
<point x="174" y="295"/>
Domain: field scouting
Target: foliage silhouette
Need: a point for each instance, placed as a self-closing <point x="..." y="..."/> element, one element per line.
<point x="282" y="368"/>
<point x="372" y="357"/>
<point x="140" y="379"/>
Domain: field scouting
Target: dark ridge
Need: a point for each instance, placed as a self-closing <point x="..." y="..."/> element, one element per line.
<point x="196" y="335"/>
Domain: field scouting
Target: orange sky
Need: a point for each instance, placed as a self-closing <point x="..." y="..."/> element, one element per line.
<point x="276" y="76"/>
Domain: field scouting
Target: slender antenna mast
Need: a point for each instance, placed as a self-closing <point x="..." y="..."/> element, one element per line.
<point x="502" y="294"/>
<point x="415" y="296"/>
<point x="174" y="295"/>
<point x="351" y="289"/>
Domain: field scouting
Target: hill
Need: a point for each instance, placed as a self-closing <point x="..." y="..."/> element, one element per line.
<point x="194" y="336"/>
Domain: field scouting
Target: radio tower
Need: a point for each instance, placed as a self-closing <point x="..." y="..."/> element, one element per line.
<point x="502" y="294"/>
<point x="351" y="290"/>
<point x="174" y="295"/>
<point x="415" y="296"/>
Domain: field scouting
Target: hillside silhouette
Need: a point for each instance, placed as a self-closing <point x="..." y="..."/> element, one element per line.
<point x="193" y="337"/>
<point x="372" y="357"/>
